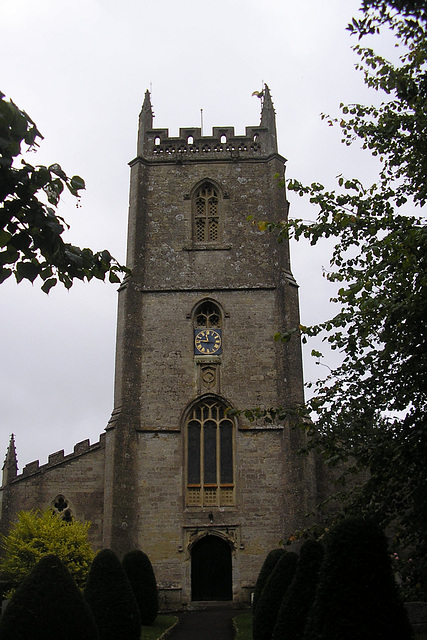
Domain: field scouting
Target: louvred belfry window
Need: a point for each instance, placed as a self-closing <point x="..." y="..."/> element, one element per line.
<point x="206" y="214"/>
<point x="210" y="458"/>
<point x="208" y="315"/>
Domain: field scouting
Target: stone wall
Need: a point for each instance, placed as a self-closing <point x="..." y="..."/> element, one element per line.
<point x="132" y="484"/>
<point x="79" y="477"/>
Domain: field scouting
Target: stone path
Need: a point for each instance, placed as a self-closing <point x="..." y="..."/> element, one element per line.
<point x="205" y="625"/>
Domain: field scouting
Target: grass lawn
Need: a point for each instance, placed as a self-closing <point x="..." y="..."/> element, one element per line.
<point x="243" y="626"/>
<point x="156" y="630"/>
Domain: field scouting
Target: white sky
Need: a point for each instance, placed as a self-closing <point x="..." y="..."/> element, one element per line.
<point x="80" y="69"/>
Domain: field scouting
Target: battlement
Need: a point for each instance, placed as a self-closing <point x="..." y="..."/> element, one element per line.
<point x="59" y="457"/>
<point x="191" y="145"/>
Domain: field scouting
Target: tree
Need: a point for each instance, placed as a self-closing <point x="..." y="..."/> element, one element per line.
<point x="139" y="571"/>
<point x="111" y="599"/>
<point x="356" y="596"/>
<point x="298" y="599"/>
<point x="370" y="412"/>
<point x="30" y="231"/>
<point x="278" y="582"/>
<point x="40" y="533"/>
<point x="268" y="565"/>
<point x="48" y="605"/>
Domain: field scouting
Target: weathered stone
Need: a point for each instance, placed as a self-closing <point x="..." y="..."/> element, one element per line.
<point x="187" y="249"/>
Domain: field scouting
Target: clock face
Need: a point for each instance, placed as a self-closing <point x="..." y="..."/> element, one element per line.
<point x="207" y="341"/>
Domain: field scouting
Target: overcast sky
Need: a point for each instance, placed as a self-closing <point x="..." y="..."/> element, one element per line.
<point x="80" y="69"/>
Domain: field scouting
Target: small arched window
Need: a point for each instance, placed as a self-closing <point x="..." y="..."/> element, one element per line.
<point x="207" y="315"/>
<point x="61" y="507"/>
<point x="206" y="214"/>
<point x="210" y="455"/>
<point x="207" y="322"/>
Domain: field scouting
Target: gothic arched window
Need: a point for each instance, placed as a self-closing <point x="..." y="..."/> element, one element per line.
<point x="207" y="327"/>
<point x="210" y="455"/>
<point x="207" y="315"/>
<point x="206" y="214"/>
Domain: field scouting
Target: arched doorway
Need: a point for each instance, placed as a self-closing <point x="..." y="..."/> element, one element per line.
<point x="211" y="576"/>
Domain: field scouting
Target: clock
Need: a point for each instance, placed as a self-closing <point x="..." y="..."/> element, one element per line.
<point x="207" y="342"/>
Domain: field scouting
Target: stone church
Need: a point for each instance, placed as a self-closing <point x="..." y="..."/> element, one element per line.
<point x="204" y="493"/>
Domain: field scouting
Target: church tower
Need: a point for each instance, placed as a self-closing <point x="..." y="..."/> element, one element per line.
<point x="204" y="494"/>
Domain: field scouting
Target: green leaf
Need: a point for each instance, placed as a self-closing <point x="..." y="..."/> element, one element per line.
<point x="4" y="274"/>
<point x="48" y="284"/>
<point x="27" y="271"/>
<point x="77" y="183"/>
<point x="56" y="169"/>
<point x="113" y="277"/>
<point x="41" y="176"/>
<point x="316" y="354"/>
<point x="5" y="236"/>
<point x="9" y="256"/>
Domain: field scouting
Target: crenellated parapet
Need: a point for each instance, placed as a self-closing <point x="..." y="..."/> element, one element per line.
<point x="59" y="458"/>
<point x="190" y="145"/>
<point x="259" y="142"/>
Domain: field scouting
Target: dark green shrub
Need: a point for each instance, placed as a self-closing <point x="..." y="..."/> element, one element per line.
<point x="269" y="602"/>
<point x="110" y="596"/>
<point x="298" y="599"/>
<point x="139" y="571"/>
<point x="48" y="605"/>
<point x="356" y="597"/>
<point x="269" y="563"/>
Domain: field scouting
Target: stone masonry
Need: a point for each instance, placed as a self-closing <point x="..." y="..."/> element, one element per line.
<point x="194" y="493"/>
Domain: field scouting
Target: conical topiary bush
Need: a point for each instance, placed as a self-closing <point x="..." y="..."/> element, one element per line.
<point x="298" y="599"/>
<point x="139" y="571"/>
<point x="110" y="597"/>
<point x="265" y="614"/>
<point x="269" y="563"/>
<point x="48" y="605"/>
<point x="357" y="597"/>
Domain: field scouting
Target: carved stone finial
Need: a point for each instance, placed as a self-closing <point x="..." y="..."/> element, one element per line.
<point x="145" y="121"/>
<point x="10" y="466"/>
<point x="268" y="120"/>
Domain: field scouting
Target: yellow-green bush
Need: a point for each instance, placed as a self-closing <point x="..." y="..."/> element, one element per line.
<point x="40" y="533"/>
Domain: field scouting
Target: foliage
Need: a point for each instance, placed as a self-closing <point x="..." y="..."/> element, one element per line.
<point x="408" y="577"/>
<point x="48" y="605"/>
<point x="396" y="130"/>
<point x="30" y="232"/>
<point x="139" y="571"/>
<point x="111" y="599"/>
<point x="269" y="563"/>
<point x="265" y="614"/>
<point x="370" y="412"/>
<point x="40" y="533"/>
<point x="298" y="599"/>
<point x="377" y="13"/>
<point x="356" y="595"/>
<point x="160" y="628"/>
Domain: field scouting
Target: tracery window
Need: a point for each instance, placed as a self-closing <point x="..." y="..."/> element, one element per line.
<point x="208" y="316"/>
<point x="208" y="343"/>
<point x="61" y="507"/>
<point x="210" y="455"/>
<point x="206" y="214"/>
